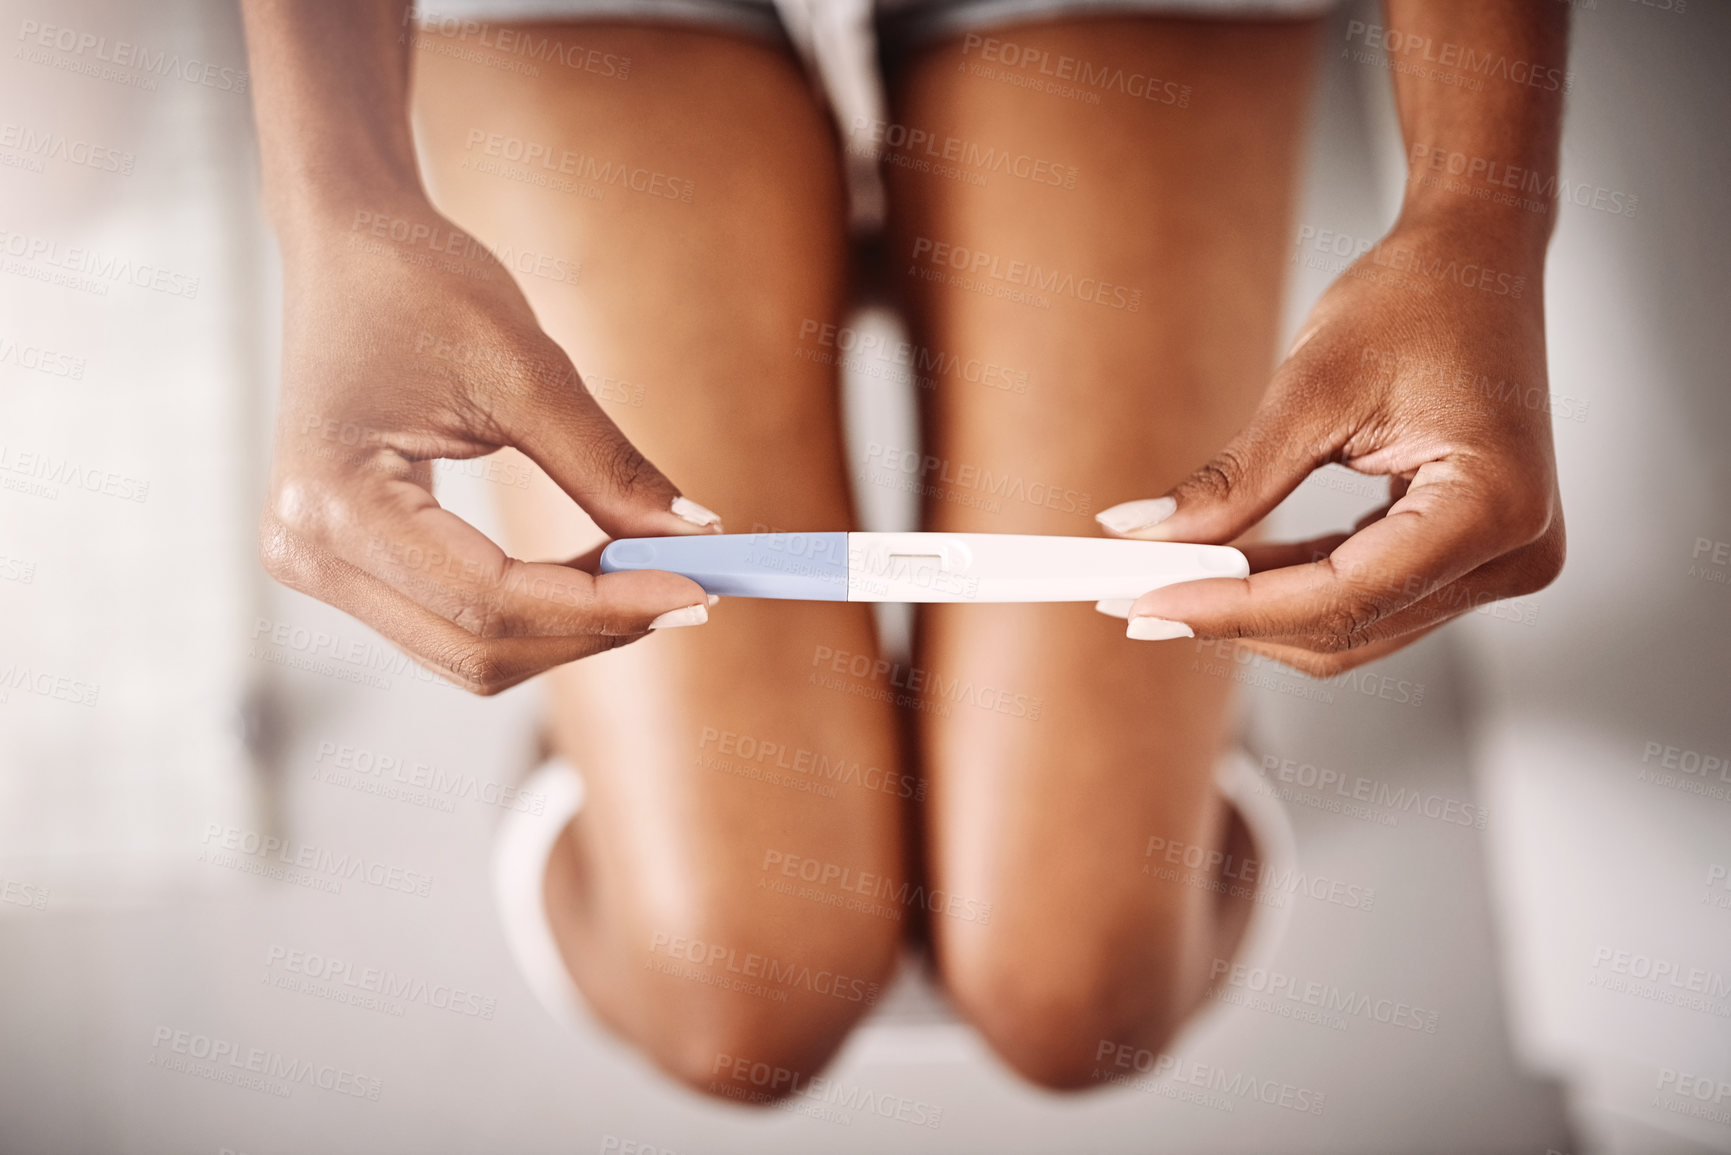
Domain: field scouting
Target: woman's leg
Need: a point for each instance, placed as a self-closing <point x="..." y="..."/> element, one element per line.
<point x="1138" y="302"/>
<point x="713" y="760"/>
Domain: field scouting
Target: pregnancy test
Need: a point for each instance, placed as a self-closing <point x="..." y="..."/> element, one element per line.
<point x="924" y="567"/>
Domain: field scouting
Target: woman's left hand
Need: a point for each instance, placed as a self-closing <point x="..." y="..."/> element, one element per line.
<point x="1424" y="362"/>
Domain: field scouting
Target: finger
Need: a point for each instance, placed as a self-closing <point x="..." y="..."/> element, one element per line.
<point x="395" y="532"/>
<point x="1293" y="652"/>
<point x="1260" y="556"/>
<point x="1319" y="665"/>
<point x="448" y="567"/>
<point x="555" y="420"/>
<point x="589" y="562"/>
<point x="1280" y="554"/>
<point x="1442" y="529"/>
<point x="1276" y="554"/>
<point x="1284" y="442"/>
<point x="484" y="666"/>
<point x="1523" y="571"/>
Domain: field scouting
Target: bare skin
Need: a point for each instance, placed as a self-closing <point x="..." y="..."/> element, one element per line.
<point x="1048" y="818"/>
<point x="717" y="756"/>
<point x="700" y="305"/>
<point x="1455" y="292"/>
<point x="1039" y="850"/>
<point x="444" y="360"/>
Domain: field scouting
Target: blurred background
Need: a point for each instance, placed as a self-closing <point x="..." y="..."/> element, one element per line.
<point x="1567" y="948"/>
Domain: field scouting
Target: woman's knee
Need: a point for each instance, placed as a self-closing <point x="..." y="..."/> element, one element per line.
<point x="750" y="1005"/>
<point x="1052" y="997"/>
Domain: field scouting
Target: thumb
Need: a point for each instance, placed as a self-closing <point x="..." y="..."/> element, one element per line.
<point x="1237" y="488"/>
<point x="564" y="430"/>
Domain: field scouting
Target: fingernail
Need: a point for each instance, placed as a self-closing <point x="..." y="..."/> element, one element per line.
<point x="1115" y="607"/>
<point x="687" y="510"/>
<point x="1147" y="629"/>
<point x="714" y="598"/>
<point x="683" y="616"/>
<point x="1130" y="516"/>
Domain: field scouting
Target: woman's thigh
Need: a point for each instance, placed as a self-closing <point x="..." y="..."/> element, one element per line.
<point x="674" y="230"/>
<point x="1116" y="259"/>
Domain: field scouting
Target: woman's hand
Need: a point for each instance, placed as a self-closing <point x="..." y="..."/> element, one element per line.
<point x="406" y="341"/>
<point x="1424" y="362"/>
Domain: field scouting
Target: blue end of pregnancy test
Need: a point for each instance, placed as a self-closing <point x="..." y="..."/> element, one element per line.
<point x="795" y="566"/>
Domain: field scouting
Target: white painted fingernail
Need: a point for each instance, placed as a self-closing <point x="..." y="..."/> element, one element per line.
<point x="1115" y="607"/>
<point x="1130" y="516"/>
<point x="687" y="510"/>
<point x="1147" y="629"/>
<point x="683" y="616"/>
<point x="714" y="598"/>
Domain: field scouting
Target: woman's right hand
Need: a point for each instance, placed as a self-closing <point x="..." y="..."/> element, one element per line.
<point x="414" y="345"/>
